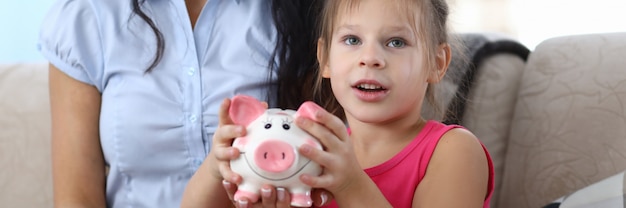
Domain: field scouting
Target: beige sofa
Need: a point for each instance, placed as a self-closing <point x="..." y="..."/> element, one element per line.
<point x="554" y="124"/>
<point x="25" y="179"/>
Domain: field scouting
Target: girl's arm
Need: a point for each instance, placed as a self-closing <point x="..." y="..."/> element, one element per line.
<point x="205" y="189"/>
<point x="78" y="167"/>
<point x="457" y="175"/>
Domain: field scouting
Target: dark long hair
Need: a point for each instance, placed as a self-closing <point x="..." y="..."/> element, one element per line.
<point x="296" y="25"/>
<point x="155" y="30"/>
<point x="296" y="49"/>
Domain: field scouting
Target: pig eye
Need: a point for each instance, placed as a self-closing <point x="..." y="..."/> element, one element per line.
<point x="286" y="126"/>
<point x="268" y="126"/>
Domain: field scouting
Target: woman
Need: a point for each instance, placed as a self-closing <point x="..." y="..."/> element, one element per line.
<point x="135" y="87"/>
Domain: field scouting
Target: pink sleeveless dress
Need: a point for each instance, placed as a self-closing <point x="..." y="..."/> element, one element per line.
<point x="398" y="177"/>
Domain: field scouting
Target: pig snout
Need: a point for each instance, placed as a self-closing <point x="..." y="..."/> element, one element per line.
<point x="274" y="156"/>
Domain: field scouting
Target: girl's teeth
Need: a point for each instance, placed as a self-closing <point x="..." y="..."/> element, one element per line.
<point x="369" y="86"/>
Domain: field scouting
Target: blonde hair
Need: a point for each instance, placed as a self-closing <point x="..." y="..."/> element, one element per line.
<point x="431" y="30"/>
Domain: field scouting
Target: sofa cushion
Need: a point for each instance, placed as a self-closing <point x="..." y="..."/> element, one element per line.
<point x="25" y="179"/>
<point x="568" y="126"/>
<point x="489" y="108"/>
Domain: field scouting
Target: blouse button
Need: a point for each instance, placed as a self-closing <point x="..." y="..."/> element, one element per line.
<point x="197" y="162"/>
<point x="191" y="71"/>
<point x="192" y="118"/>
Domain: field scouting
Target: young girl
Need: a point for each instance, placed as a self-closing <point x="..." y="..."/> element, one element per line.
<point x="381" y="59"/>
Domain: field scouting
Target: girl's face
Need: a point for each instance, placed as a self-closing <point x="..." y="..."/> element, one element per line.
<point x="376" y="63"/>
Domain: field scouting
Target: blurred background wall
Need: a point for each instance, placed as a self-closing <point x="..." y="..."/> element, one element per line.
<point x="529" y="21"/>
<point x="532" y="21"/>
<point x="19" y="25"/>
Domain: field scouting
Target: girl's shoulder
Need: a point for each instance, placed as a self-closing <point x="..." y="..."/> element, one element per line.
<point x="460" y="158"/>
<point x="456" y="140"/>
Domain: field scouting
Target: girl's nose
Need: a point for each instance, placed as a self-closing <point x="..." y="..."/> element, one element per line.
<point x="372" y="57"/>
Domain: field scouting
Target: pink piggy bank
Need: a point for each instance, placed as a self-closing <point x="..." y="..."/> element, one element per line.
<point x="269" y="151"/>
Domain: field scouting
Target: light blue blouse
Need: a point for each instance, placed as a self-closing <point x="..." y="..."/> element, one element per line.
<point x="156" y="127"/>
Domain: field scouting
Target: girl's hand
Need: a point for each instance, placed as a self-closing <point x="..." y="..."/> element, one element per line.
<point x="277" y="197"/>
<point x="342" y="174"/>
<point x="221" y="149"/>
<point x="205" y="188"/>
<point x="341" y="168"/>
<point x="270" y="197"/>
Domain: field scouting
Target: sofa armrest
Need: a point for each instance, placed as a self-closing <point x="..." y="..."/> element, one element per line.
<point x="25" y="176"/>
<point x="568" y="126"/>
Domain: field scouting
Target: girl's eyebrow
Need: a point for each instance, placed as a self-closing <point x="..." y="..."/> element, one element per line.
<point x="394" y="28"/>
<point x="400" y="28"/>
<point x="348" y="27"/>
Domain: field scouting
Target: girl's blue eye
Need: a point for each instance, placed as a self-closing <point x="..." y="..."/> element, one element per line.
<point x="352" y="41"/>
<point x="396" y="43"/>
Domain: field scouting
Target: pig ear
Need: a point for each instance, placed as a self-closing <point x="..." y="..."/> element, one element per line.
<point x="307" y="110"/>
<point x="245" y="109"/>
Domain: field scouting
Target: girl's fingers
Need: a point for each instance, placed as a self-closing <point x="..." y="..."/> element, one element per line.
<point x="332" y="122"/>
<point x="273" y="198"/>
<point x="268" y="196"/>
<point x="322" y="181"/>
<point x="224" y="118"/>
<point x="226" y="154"/>
<point x="226" y="133"/>
<point x="324" y="135"/>
<point x="222" y="141"/>
<point x="230" y="189"/>
<point x="228" y="174"/>
<point x="242" y="204"/>
<point x="282" y="198"/>
<point x="321" y="197"/>
<point x="318" y="156"/>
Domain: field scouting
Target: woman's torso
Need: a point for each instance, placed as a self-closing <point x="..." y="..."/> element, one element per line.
<point x="156" y="127"/>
